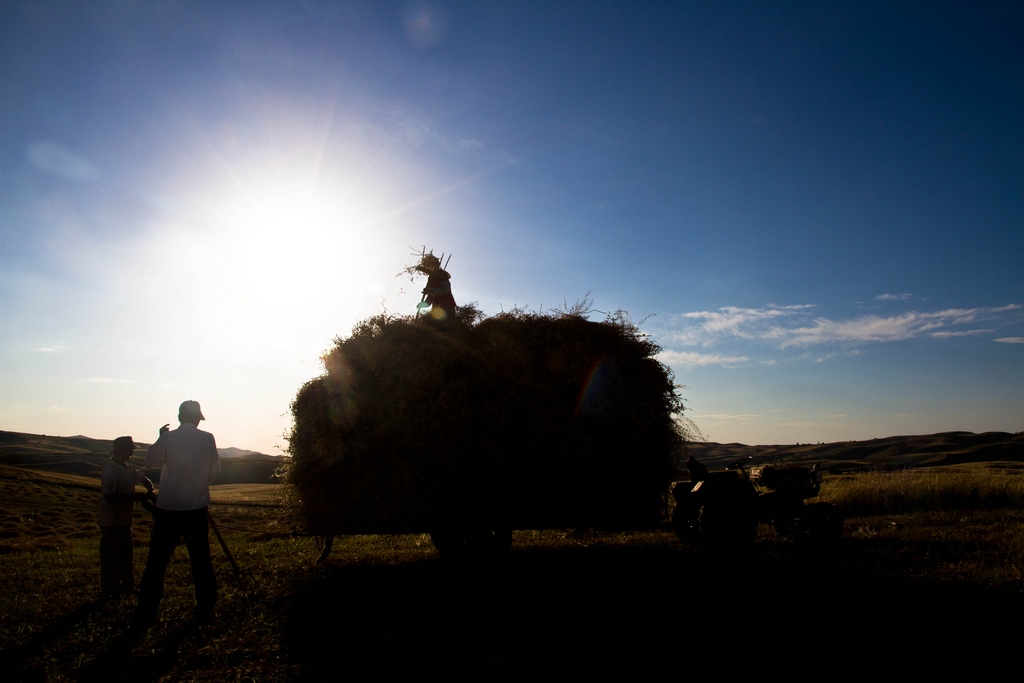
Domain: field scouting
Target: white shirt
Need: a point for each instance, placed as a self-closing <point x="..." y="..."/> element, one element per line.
<point x="121" y="480"/>
<point x="188" y="463"/>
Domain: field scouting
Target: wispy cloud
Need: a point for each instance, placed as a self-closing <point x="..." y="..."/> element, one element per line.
<point x="962" y="333"/>
<point x="700" y="359"/>
<point x="58" y="160"/>
<point x="870" y="328"/>
<point x="730" y="417"/>
<point x="789" y="326"/>
<point x="730" y="321"/>
<point x="742" y="321"/>
<point x="894" y="297"/>
<point x="804" y="424"/>
<point x="50" y="348"/>
<point x="1011" y="340"/>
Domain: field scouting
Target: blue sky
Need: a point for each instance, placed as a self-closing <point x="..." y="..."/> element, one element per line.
<point x="817" y="209"/>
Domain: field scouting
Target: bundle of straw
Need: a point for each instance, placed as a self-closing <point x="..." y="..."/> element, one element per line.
<point x="522" y="420"/>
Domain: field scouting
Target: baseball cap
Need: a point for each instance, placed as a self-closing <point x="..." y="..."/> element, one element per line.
<point x="190" y="409"/>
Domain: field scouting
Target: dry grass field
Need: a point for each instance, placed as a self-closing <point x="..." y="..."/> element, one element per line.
<point x="919" y="587"/>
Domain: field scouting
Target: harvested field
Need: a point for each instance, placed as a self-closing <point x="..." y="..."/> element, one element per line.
<point x="566" y="603"/>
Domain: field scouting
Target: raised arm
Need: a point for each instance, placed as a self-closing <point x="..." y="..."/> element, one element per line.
<point x="158" y="451"/>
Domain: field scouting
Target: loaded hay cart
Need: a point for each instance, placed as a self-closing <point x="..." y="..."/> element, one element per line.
<point x="471" y="427"/>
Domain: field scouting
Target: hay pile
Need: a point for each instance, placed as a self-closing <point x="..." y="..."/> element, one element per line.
<point x="524" y="420"/>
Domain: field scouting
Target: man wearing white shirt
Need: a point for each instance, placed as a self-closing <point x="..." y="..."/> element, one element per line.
<point x="188" y="462"/>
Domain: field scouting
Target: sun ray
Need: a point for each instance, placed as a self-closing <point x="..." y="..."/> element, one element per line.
<point x="431" y="196"/>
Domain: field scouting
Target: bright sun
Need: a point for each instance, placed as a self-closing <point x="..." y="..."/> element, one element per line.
<point x="286" y="243"/>
<point x="282" y="241"/>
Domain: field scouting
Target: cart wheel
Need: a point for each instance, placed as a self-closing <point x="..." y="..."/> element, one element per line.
<point x="687" y="529"/>
<point x="728" y="526"/>
<point x="328" y="544"/>
<point x="502" y="541"/>
<point x="447" y="541"/>
<point x="784" y="526"/>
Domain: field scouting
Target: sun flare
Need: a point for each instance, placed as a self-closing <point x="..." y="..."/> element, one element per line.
<point x="287" y="244"/>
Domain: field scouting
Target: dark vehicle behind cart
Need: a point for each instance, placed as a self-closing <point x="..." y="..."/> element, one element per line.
<point x="725" y="507"/>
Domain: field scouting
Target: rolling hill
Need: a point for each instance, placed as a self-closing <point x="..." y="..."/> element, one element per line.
<point x="83" y="456"/>
<point x="945" y="449"/>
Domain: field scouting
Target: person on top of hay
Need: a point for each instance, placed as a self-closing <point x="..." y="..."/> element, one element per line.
<point x="189" y="462"/>
<point x="438" y="292"/>
<point x="117" y="504"/>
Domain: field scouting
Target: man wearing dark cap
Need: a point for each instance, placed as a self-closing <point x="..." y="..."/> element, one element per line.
<point x="117" y="504"/>
<point x="188" y="462"/>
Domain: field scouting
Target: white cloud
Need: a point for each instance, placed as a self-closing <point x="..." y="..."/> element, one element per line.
<point x="788" y="326"/>
<point x="470" y="144"/>
<point x="1011" y="340"/>
<point x="894" y="297"/>
<point x="962" y="333"/>
<point x="742" y="322"/>
<point x="425" y="23"/>
<point x="57" y="159"/>
<point x="729" y="416"/>
<point x="700" y="359"/>
<point x="415" y="133"/>
<point x="865" y="329"/>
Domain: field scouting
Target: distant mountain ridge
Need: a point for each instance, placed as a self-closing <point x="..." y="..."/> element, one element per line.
<point x="944" y="449"/>
<point x="57" y="445"/>
<point x="85" y="456"/>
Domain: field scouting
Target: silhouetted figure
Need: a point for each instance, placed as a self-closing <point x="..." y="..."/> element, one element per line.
<point x="117" y="504"/>
<point x="438" y="292"/>
<point x="698" y="472"/>
<point x="437" y="295"/>
<point x="189" y="462"/>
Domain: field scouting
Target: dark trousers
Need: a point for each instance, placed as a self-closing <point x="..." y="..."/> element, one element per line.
<point x="169" y="526"/>
<point x="117" y="561"/>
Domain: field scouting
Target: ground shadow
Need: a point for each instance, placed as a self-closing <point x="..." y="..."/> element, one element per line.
<point x="116" y="662"/>
<point x="641" y="611"/>
<point x="15" y="658"/>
